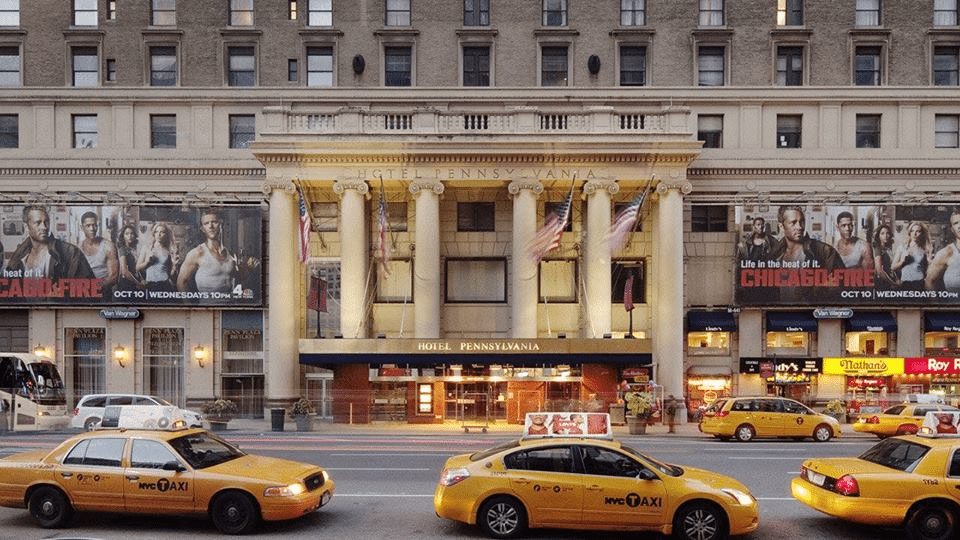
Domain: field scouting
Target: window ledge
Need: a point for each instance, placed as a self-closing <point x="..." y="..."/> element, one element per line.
<point x="944" y="32"/>
<point x="475" y="32"/>
<point x="320" y="32"/>
<point x="79" y="32"/>
<point x="397" y="32"/>
<point x="556" y="31"/>
<point x="158" y="32"/>
<point x="12" y="31"/>
<point x="801" y="33"/>
<point x="707" y="31"/>
<point x="876" y="31"/>
<point x="240" y="31"/>
<point x="633" y="32"/>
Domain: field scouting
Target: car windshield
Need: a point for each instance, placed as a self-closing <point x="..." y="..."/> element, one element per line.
<point x="477" y="456"/>
<point x="162" y="401"/>
<point x="716" y="406"/>
<point x="665" y="468"/>
<point x="202" y="450"/>
<point x="896" y="453"/>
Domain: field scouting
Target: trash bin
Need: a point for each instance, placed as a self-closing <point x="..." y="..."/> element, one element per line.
<point x="276" y="419"/>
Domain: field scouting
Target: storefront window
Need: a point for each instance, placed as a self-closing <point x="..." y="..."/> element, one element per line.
<point x="788" y="343"/>
<point x="242" y="366"/>
<point x="708" y="343"/>
<point x="941" y="343"/>
<point x="866" y="344"/>
<point x="323" y="312"/>
<point x="85" y="361"/>
<point x="704" y="391"/>
<point x="163" y="351"/>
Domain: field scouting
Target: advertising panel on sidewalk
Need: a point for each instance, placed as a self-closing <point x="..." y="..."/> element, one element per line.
<point x="848" y="255"/>
<point x="130" y="255"/>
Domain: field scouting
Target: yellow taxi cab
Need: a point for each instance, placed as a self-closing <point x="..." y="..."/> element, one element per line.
<point x="166" y="470"/>
<point x="911" y="481"/>
<point x="748" y="418"/>
<point x="902" y="419"/>
<point x="568" y="472"/>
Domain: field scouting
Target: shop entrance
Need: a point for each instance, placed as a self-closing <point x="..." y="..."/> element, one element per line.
<point x="476" y="402"/>
<point x="247" y="392"/>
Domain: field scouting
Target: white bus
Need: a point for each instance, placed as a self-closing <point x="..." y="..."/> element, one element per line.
<point x="31" y="393"/>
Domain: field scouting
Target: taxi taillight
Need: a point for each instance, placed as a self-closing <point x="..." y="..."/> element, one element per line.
<point x="76" y="411"/>
<point x="847" y="485"/>
<point x="450" y="477"/>
<point x="873" y="420"/>
<point x="721" y="414"/>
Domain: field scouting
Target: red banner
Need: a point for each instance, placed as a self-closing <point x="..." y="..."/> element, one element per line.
<point x="317" y="295"/>
<point x="934" y="366"/>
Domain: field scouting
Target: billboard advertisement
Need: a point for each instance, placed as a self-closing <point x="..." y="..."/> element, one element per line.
<point x="816" y="254"/>
<point x="130" y="255"/>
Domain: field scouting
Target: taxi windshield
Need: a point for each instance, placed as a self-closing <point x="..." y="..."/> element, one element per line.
<point x="896" y="454"/>
<point x="202" y="450"/>
<point x="671" y="470"/>
<point x="477" y="456"/>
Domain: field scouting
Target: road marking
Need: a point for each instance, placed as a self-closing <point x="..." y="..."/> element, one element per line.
<point x="372" y="469"/>
<point x="776" y="499"/>
<point x="389" y="495"/>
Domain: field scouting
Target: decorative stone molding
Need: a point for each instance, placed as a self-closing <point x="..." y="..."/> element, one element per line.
<point x="684" y="187"/>
<point x="516" y="186"/>
<point x="341" y="186"/>
<point x="276" y="184"/>
<point x="592" y="186"/>
<point x="420" y="186"/>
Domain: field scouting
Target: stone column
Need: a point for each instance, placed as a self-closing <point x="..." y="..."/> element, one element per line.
<point x="282" y="350"/>
<point x="426" y="264"/>
<point x="668" y="318"/>
<point x="523" y="279"/>
<point x="597" y="255"/>
<point x="354" y="257"/>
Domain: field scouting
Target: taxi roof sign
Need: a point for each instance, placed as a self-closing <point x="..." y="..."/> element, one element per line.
<point x="940" y="424"/>
<point x="539" y="425"/>
<point x="156" y="417"/>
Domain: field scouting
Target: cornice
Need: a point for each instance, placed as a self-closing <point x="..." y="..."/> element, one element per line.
<point x="487" y="157"/>
<point x="823" y="171"/>
<point x="129" y="171"/>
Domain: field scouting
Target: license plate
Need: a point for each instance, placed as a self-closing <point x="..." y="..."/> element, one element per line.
<point x="816" y="478"/>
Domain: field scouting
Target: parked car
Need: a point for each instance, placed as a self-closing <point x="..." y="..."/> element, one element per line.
<point x="89" y="410"/>
<point x="903" y="419"/>
<point x="748" y="418"/>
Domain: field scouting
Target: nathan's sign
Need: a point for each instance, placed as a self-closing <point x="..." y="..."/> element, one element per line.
<point x="932" y="366"/>
<point x="863" y="366"/>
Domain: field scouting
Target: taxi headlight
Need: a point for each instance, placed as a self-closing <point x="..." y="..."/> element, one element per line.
<point x="284" y="491"/>
<point x="43" y="413"/>
<point x="326" y="477"/>
<point x="744" y="499"/>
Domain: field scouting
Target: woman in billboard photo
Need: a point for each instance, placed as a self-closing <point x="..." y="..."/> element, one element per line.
<point x="127" y="245"/>
<point x="159" y="262"/>
<point x="913" y="257"/>
<point x="883" y="258"/>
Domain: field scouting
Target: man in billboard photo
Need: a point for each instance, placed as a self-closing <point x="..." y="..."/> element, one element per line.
<point x="855" y="251"/>
<point x="41" y="255"/>
<point x="756" y="244"/>
<point x="944" y="271"/>
<point x="797" y="246"/>
<point x="913" y="257"/>
<point x="209" y="267"/>
<point x="100" y="253"/>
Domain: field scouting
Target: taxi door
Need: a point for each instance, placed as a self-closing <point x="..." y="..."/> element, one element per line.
<point x="92" y="476"/>
<point x="544" y="479"/>
<point x="770" y="417"/>
<point x="157" y="479"/>
<point x="798" y="420"/>
<point x="614" y="495"/>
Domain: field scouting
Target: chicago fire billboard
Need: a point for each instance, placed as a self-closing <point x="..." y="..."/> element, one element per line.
<point x="848" y="255"/>
<point x="130" y="255"/>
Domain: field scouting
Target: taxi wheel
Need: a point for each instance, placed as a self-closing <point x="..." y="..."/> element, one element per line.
<point x="234" y="513"/>
<point x="931" y="522"/>
<point x="50" y="507"/>
<point x="502" y="517"/>
<point x="91" y="423"/>
<point x="745" y="433"/>
<point x="700" y="521"/>
<point x="822" y="433"/>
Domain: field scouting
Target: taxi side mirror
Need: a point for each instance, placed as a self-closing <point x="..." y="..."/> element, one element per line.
<point x="646" y="474"/>
<point x="173" y="466"/>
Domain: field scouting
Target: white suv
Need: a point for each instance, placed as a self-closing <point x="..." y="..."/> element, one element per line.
<point x="89" y="410"/>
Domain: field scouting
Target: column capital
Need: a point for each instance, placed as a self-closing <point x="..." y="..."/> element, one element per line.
<point x="516" y="186"/>
<point x="683" y="186"/>
<point x="419" y="186"/>
<point x="598" y="184"/>
<point x="342" y="185"/>
<point x="278" y="184"/>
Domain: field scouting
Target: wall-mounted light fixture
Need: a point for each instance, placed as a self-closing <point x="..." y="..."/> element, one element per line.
<point x="593" y="64"/>
<point x="359" y="64"/>
<point x="120" y="355"/>
<point x="40" y="350"/>
<point x="199" y="354"/>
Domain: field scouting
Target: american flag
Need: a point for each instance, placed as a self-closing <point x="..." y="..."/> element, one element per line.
<point x="628" y="292"/>
<point x="548" y="237"/>
<point x="304" y="226"/>
<point x="624" y="222"/>
<point x="383" y="224"/>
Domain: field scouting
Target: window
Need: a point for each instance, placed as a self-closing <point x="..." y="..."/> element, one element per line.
<point x="868" y="131"/>
<point x="292" y="10"/>
<point x="147" y="454"/>
<point x="945" y="12"/>
<point x="398" y="64"/>
<point x="708" y="343"/>
<point x="946" y="66"/>
<point x="633" y="66"/>
<point x="868" y="13"/>
<point x="556" y="459"/>
<point x="323" y="216"/>
<point x="789" y="12"/>
<point x="9" y="66"/>
<point x="292" y="70"/>
<point x="398" y="288"/>
<point x="9" y="131"/>
<point x="866" y="343"/>
<point x="476" y="12"/>
<point x="947" y="131"/>
<point x="112" y="10"/>
<point x="85" y="66"/>
<point x="710" y="130"/>
<point x="85" y="352"/>
<point x="243" y="129"/>
<point x="319" y="66"/>
<point x="633" y="12"/>
<point x="867" y="66"/>
<point x="320" y="13"/>
<point x="620" y="273"/>
<point x="475" y="216"/>
<point x="602" y="462"/>
<point x="84" y="12"/>
<point x="708" y="218"/>
<point x="163" y="66"/>
<point x="398" y="13"/>
<point x="558" y="281"/>
<point x="163" y="352"/>
<point x="553" y="66"/>
<point x="163" y="131"/>
<point x="243" y="67"/>
<point x="9" y="12"/>
<point x="788" y="130"/>
<point x="710" y="66"/>
<point x="789" y="66"/>
<point x="476" y="280"/>
<point x="85" y="131"/>
<point x="111" y="70"/>
<point x="476" y="66"/>
<point x="241" y="12"/>
<point x="164" y="13"/>
<point x="554" y="12"/>
<point x="711" y="12"/>
<point x="100" y="452"/>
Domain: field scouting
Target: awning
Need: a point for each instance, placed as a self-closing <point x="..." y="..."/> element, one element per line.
<point x="709" y="371"/>
<point x="711" y="321"/>
<point x="871" y="321"/>
<point x="637" y="359"/>
<point x="791" y="321"/>
<point x="941" y="321"/>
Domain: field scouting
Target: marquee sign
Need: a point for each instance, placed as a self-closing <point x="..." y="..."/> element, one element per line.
<point x="932" y="366"/>
<point x="874" y="367"/>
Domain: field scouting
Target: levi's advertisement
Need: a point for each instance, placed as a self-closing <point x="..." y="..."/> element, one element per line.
<point x="847" y="255"/>
<point x="562" y="424"/>
<point x="130" y="255"/>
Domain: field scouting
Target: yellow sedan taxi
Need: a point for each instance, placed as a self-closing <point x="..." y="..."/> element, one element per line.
<point x="902" y="419"/>
<point x="580" y="478"/>
<point x="176" y="471"/>
<point x="749" y="418"/>
<point x="910" y="481"/>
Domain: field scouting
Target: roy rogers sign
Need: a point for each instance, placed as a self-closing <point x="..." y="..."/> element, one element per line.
<point x="934" y="366"/>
